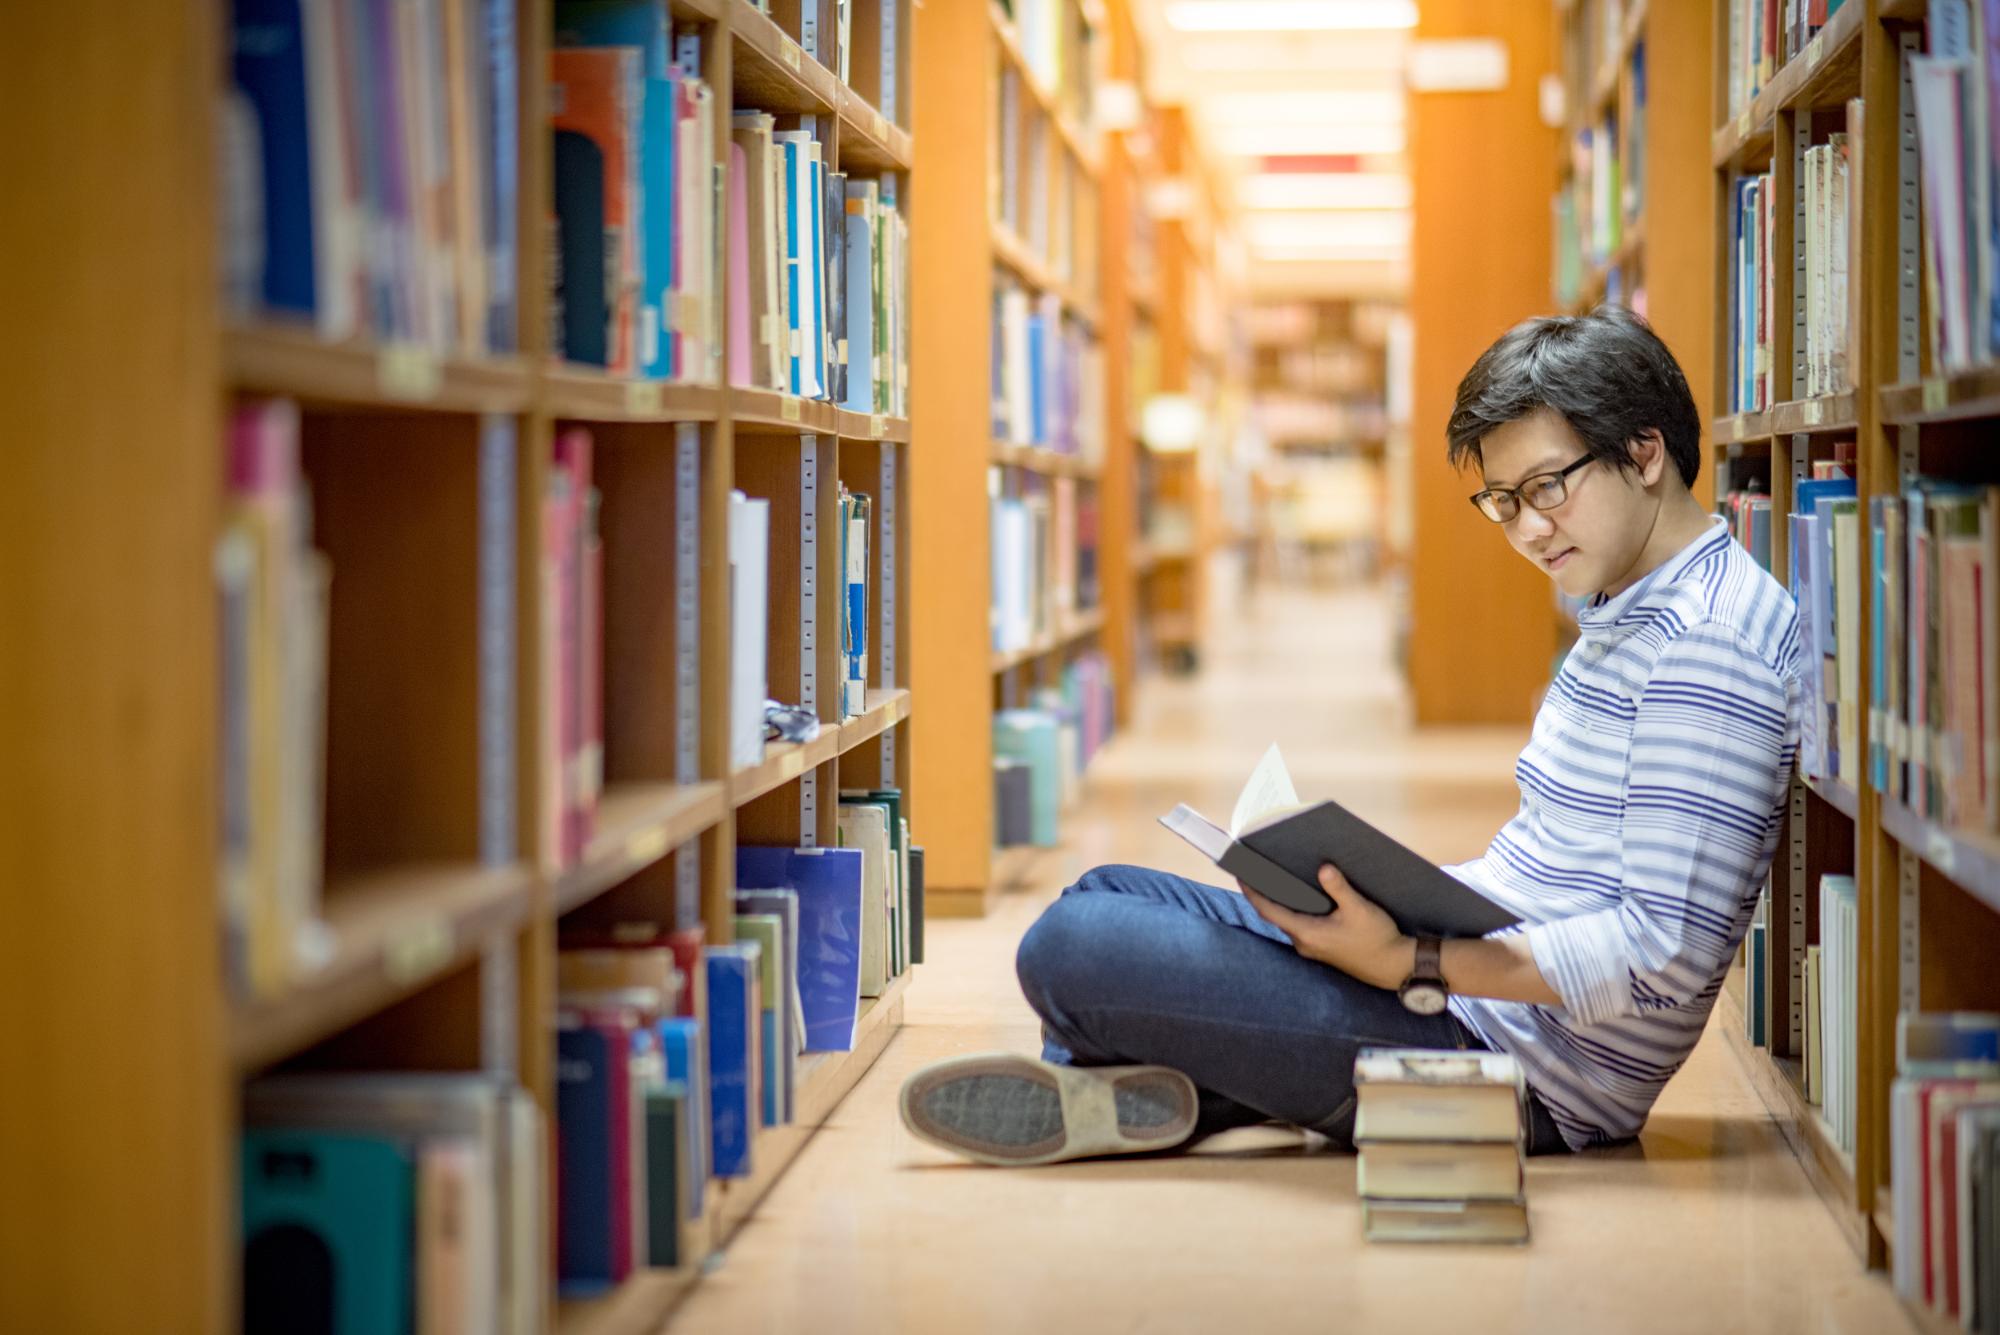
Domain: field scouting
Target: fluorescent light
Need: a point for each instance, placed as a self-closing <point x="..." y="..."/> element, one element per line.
<point x="1327" y="190"/>
<point x="1292" y="139"/>
<point x="1291" y="15"/>
<point x="1376" y="228"/>
<point x="1376" y="107"/>
<point x="1331" y="254"/>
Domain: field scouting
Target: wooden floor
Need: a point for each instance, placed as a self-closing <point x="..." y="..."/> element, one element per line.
<point x="1706" y="1225"/>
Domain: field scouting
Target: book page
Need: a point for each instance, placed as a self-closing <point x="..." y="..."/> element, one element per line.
<point x="1269" y="789"/>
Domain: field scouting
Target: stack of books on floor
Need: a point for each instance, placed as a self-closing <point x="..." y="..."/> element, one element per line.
<point x="1442" y="1137"/>
<point x="1944" y="1156"/>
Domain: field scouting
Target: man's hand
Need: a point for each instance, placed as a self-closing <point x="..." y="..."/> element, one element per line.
<point x="1358" y="937"/>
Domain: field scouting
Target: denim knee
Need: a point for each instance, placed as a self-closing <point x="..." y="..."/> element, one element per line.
<point x="1102" y="878"/>
<point x="1052" y="949"/>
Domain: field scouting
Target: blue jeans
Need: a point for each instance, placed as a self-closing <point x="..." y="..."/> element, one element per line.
<point x="1134" y="966"/>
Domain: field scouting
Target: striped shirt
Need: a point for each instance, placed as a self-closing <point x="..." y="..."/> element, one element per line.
<point x="1651" y="794"/>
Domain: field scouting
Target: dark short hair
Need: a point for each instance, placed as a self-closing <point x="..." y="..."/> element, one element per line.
<point x="1607" y="374"/>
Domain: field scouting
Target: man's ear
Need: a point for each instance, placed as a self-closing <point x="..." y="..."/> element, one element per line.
<point x="1649" y="452"/>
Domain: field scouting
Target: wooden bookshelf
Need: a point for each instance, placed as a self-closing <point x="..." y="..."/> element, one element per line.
<point x="1928" y="896"/>
<point x="431" y="957"/>
<point x="979" y="97"/>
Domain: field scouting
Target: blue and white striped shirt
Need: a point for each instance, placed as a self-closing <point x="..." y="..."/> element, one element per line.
<point x="1651" y="793"/>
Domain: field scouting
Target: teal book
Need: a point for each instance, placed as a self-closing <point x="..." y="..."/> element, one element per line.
<point x="327" y="1227"/>
<point x="1034" y="737"/>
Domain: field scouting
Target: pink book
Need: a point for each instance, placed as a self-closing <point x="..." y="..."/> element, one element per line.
<point x="739" y="267"/>
<point x="572" y="460"/>
<point x="555" y="667"/>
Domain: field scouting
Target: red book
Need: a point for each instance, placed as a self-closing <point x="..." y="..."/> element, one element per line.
<point x="687" y="945"/>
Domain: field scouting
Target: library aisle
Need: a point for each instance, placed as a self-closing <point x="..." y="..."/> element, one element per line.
<point x="1707" y="1224"/>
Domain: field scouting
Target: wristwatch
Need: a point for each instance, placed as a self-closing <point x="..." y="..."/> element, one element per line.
<point x="1424" y="991"/>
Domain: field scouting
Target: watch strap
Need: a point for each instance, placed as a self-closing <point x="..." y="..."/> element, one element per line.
<point x="1430" y="961"/>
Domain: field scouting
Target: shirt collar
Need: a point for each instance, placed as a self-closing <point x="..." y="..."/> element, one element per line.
<point x="1601" y="612"/>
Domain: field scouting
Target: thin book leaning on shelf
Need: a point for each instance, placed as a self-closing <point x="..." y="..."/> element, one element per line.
<point x="1276" y="845"/>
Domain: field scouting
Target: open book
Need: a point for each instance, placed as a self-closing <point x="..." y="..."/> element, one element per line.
<point x="1275" y="845"/>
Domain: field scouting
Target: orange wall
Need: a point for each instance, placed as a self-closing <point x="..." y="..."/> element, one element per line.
<point x="1483" y="167"/>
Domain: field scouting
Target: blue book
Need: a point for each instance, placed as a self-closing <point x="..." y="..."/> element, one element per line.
<point x="269" y="65"/>
<point x="327" y="1224"/>
<point x="1038" y="430"/>
<point x="1034" y="737"/>
<point x="733" y="1032"/>
<point x="854" y="554"/>
<point x="1753" y="993"/>
<point x="587" y="1093"/>
<point x="828" y="883"/>
<point x="686" y="1054"/>
<point x="860" y="332"/>
<point x="502" y="184"/>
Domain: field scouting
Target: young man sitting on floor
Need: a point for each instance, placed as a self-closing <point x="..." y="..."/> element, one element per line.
<point x="1651" y="792"/>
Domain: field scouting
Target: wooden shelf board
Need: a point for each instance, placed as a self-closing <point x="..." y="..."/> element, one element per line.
<point x="1969" y="859"/>
<point x="1013" y="253"/>
<point x="1838" y="794"/>
<point x="697" y="11"/>
<point x="295" y="362"/>
<point x="767" y="412"/>
<point x="870" y="142"/>
<point x="1908" y="11"/>
<point x="584" y="394"/>
<point x="1049" y="463"/>
<point x="639" y="1306"/>
<point x="885" y="710"/>
<point x="1779" y="1084"/>
<point x="1078" y="627"/>
<point x="392" y="932"/>
<point x="1829" y="413"/>
<point x="1741" y="428"/>
<point x="824" y="1080"/>
<point x="871" y="427"/>
<point x="1964" y="397"/>
<point x="637" y="825"/>
<point x="1827" y="72"/>
<point x="783" y="762"/>
<point x="772" y="72"/>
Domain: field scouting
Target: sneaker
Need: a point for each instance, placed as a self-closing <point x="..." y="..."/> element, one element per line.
<point x="1005" y="1109"/>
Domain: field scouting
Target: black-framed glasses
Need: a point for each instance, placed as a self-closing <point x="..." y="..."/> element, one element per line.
<point x="1543" y="491"/>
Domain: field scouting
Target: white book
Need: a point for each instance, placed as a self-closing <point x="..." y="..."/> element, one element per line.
<point x="867" y="828"/>
<point x="749" y="581"/>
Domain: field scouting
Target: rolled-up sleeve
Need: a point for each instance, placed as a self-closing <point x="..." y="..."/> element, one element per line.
<point x="1710" y="757"/>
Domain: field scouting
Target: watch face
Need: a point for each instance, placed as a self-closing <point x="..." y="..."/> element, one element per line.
<point x="1424" y="998"/>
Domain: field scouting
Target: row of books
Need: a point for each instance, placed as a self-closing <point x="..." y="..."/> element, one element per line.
<point x="672" y="1052"/>
<point x="1048" y="375"/>
<point x="749" y="543"/>
<point x="634" y="279"/>
<point x="1831" y="977"/>
<point x="1056" y="47"/>
<point x="649" y="232"/>
<point x="1041" y="752"/>
<point x="1832" y="217"/>
<point x="818" y="272"/>
<point x="1944" y="1165"/>
<point x="1044" y="560"/>
<point x="1597" y="188"/>
<point x="1955" y="88"/>
<point x="271" y="608"/>
<point x="1753" y="385"/>
<point x="392" y="1203"/>
<point x="371" y="169"/>
<point x="1442" y="1146"/>
<point x="1764" y="36"/>
<point x="1748" y="512"/>
<point x="1933" y="737"/>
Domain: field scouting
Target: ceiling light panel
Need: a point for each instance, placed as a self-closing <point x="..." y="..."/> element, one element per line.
<point x="1291" y="15"/>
